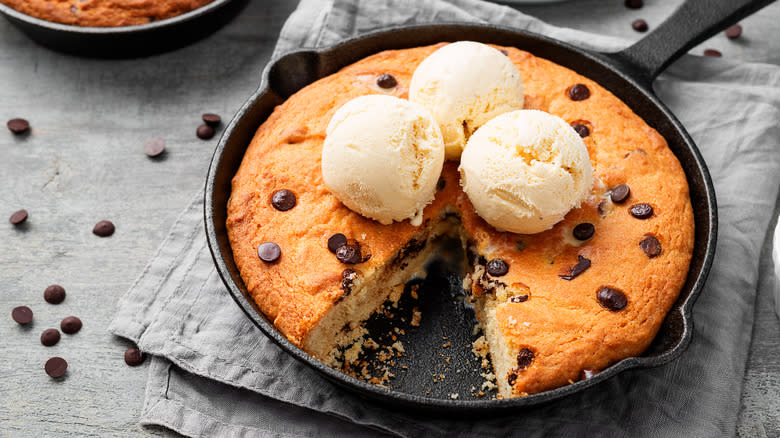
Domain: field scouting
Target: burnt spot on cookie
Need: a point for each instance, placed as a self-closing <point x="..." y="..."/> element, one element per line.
<point x="611" y="299"/>
<point x="650" y="245"/>
<point x="520" y="245"/>
<point x="582" y="265"/>
<point x="441" y="184"/>
<point x="524" y="359"/>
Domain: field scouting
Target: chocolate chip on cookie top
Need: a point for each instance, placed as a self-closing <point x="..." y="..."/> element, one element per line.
<point x="641" y="211"/>
<point x="583" y="231"/>
<point x="579" y="92"/>
<point x="497" y="267"/>
<point x="581" y="129"/>
<point x="349" y="254"/>
<point x="283" y="200"/>
<point x="611" y="299"/>
<point x="269" y="252"/>
<point x="524" y="358"/>
<point x="518" y="299"/>
<point x="582" y="265"/>
<point x="620" y="193"/>
<point x="650" y="245"/>
<point x="336" y="241"/>
<point x="386" y="81"/>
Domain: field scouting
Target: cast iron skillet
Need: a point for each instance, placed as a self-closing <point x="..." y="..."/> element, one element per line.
<point x="627" y="74"/>
<point x="127" y="41"/>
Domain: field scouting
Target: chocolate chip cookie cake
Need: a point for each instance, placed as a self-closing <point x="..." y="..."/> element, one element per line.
<point x="574" y="214"/>
<point x="104" y="13"/>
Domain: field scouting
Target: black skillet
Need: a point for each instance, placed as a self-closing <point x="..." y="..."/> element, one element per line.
<point x="628" y="74"/>
<point x="127" y="41"/>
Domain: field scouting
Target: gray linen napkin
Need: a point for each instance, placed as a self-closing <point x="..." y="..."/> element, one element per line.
<point x="214" y="374"/>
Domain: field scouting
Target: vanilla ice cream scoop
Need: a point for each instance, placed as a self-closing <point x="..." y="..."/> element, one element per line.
<point x="524" y="170"/>
<point x="464" y="85"/>
<point x="382" y="158"/>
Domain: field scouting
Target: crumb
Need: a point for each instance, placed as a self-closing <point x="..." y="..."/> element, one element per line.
<point x="399" y="347"/>
<point x="454" y="396"/>
<point x="416" y="317"/>
<point x="448" y="344"/>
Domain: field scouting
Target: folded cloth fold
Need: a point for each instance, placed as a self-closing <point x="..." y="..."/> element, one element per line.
<point x="215" y="374"/>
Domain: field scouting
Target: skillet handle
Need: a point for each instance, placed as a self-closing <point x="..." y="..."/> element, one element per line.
<point x="693" y="22"/>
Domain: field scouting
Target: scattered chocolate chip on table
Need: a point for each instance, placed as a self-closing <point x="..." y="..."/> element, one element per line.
<point x="104" y="228"/>
<point x="23" y="315"/>
<point x="54" y="294"/>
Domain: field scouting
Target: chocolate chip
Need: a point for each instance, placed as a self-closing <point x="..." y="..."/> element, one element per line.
<point x="734" y="31"/>
<point x="713" y="53"/>
<point x="611" y="299"/>
<point x="602" y="207"/>
<point x="70" y="325"/>
<point x="620" y="193"/>
<point x="269" y="252"/>
<point x="336" y="241"/>
<point x="524" y="358"/>
<point x="349" y="254"/>
<point x="205" y="132"/>
<point x="386" y="81"/>
<point x="511" y="378"/>
<point x="634" y="4"/>
<point x="519" y="299"/>
<point x="22" y="315"/>
<point x="582" y="265"/>
<point x="56" y="367"/>
<point x="212" y="119"/>
<point x="581" y="129"/>
<point x="584" y="231"/>
<point x="134" y="357"/>
<point x="587" y="374"/>
<point x="18" y="217"/>
<point x="651" y="246"/>
<point x="104" y="228"/>
<point x="50" y="337"/>
<point x="283" y="200"/>
<point x="497" y="268"/>
<point x="579" y="92"/>
<point x="504" y="52"/>
<point x="347" y="277"/>
<point x="154" y="147"/>
<point x="18" y="126"/>
<point x="641" y="211"/>
<point x="639" y="25"/>
<point x="54" y="294"/>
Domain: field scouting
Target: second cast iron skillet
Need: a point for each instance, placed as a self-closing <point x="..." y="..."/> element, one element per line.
<point x="127" y="41"/>
<point x="627" y="74"/>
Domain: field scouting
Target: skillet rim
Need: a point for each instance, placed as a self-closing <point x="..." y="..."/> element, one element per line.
<point x="397" y="398"/>
<point x="88" y="31"/>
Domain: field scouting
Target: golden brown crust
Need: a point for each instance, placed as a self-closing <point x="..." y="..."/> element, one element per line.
<point x="104" y="13"/>
<point x="562" y="322"/>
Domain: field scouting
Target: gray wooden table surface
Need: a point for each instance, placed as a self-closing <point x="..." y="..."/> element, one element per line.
<point x="83" y="162"/>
